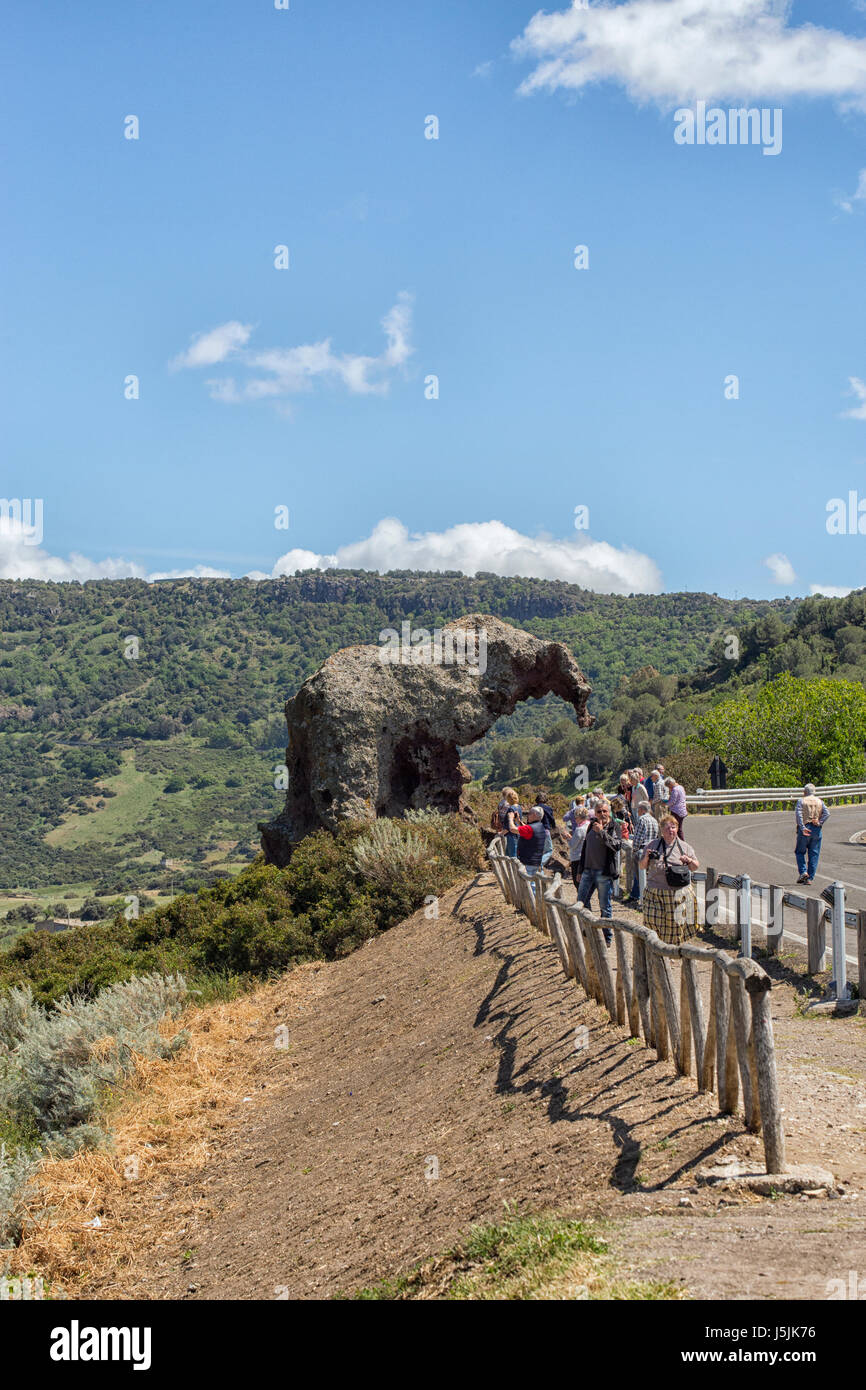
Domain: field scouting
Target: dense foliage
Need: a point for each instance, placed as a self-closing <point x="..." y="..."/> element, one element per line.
<point x="322" y="906"/>
<point x="814" y="728"/>
<point x="122" y="753"/>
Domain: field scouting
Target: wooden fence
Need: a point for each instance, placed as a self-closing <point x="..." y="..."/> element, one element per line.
<point x="731" y="1043"/>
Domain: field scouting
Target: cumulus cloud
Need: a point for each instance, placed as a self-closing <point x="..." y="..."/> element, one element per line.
<point x="858" y="389"/>
<point x="21" y="559"/>
<point x="830" y="590"/>
<point x="670" y="51"/>
<point x="781" y="569"/>
<point x="277" y="371"/>
<point x="207" y="349"/>
<point x="492" y="546"/>
<point x="858" y="196"/>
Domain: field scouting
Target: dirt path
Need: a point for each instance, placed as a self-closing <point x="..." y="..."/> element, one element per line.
<point x="454" y="1040"/>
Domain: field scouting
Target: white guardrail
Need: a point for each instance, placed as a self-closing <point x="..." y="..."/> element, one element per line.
<point x="703" y="800"/>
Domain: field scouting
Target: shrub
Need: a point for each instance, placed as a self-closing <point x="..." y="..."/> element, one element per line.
<point x="766" y="774"/>
<point x="56" y="1064"/>
<point x="388" y="849"/>
<point x="15" y="1168"/>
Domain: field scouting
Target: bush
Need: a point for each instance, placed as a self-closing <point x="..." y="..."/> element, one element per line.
<point x="816" y="727"/>
<point x="56" y="1064"/>
<point x="385" y="852"/>
<point x="15" y="1168"/>
<point x="766" y="774"/>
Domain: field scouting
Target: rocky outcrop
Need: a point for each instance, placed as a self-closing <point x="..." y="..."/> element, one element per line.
<point x="377" y="730"/>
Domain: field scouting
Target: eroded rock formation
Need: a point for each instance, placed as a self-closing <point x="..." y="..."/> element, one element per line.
<point x="377" y="730"/>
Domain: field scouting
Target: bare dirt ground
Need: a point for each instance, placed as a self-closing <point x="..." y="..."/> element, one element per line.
<point x="449" y="1046"/>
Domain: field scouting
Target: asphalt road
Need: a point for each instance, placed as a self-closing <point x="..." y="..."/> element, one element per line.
<point x="761" y="844"/>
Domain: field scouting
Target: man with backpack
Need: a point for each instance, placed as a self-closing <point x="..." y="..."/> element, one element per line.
<point x="810" y="814"/>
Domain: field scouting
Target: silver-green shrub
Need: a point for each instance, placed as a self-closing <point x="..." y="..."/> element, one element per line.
<point x="388" y="848"/>
<point x="57" y="1064"/>
<point x="15" y="1169"/>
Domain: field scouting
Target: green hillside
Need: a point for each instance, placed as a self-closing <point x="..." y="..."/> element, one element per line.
<point x="116" y="754"/>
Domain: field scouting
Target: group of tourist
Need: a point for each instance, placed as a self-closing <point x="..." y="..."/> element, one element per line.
<point x="646" y="812"/>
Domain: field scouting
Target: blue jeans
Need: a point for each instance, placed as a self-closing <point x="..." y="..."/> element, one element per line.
<point x="808" y="845"/>
<point x="591" y="879"/>
<point x="511" y="846"/>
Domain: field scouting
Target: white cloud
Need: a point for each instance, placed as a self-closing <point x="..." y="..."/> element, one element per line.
<point x="277" y="372"/>
<point x="858" y="196"/>
<point x="206" y="349"/>
<point x="19" y="559"/>
<point x="489" y="545"/>
<point x="830" y="590"/>
<point x="781" y="569"/>
<point x="483" y="69"/>
<point x="670" y="51"/>
<point x="858" y="389"/>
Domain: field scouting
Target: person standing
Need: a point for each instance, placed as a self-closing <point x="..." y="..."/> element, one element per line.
<point x="659" y="793"/>
<point x="512" y="821"/>
<point x="810" y="814"/>
<point x="531" y="839"/>
<point x="646" y="830"/>
<point x="676" y="802"/>
<point x="598" y="864"/>
<point x="575" y="844"/>
<point x="670" y="907"/>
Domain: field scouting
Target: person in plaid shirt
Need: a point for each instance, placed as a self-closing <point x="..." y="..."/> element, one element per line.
<point x="646" y="829"/>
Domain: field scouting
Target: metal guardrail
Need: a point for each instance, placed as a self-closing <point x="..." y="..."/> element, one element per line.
<point x="750" y="796"/>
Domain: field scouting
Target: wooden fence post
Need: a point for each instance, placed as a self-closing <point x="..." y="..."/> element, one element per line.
<point x="669" y="1001"/>
<point x="816" y="935"/>
<point x="657" y="1004"/>
<point x="721" y="999"/>
<point x="861" y="959"/>
<point x="641" y="987"/>
<point x="758" y="988"/>
<point x="691" y="981"/>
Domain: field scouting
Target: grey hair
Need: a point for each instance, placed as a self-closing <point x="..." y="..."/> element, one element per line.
<point x="809" y="789"/>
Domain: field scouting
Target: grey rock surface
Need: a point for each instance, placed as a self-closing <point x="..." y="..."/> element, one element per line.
<point x="370" y="736"/>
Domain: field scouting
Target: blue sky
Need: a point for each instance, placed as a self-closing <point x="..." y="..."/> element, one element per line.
<point x="558" y="387"/>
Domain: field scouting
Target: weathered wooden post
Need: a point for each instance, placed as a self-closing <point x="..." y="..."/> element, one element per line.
<point x="696" y="1010"/>
<point x="861" y="959"/>
<point x="758" y="989"/>
<point x="816" y="935"/>
<point x="721" y="1000"/>
<point x="641" y="986"/>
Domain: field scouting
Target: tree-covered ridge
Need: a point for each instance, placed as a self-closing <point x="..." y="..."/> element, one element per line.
<point x="139" y="721"/>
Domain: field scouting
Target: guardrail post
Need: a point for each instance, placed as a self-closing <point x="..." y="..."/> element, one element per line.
<point x="744" y="915"/>
<point x="776" y="923"/>
<point x="816" y="935"/>
<point x="711" y="900"/>
<point x="840" y="964"/>
<point x="861" y="959"/>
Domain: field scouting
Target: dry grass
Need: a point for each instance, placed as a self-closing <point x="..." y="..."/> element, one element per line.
<point x="162" y="1123"/>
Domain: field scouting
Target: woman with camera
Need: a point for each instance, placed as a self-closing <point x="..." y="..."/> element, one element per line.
<point x="670" y="906"/>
